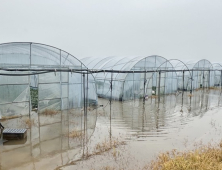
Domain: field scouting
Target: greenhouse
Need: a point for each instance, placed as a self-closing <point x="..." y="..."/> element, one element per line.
<point x="22" y="91"/>
<point x="156" y="75"/>
<point x="132" y="85"/>
<point x="118" y="78"/>
<point x="217" y="74"/>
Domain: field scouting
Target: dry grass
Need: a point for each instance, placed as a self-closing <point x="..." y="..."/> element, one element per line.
<point x="106" y="145"/>
<point x="214" y="88"/>
<point x="75" y="134"/>
<point x="190" y="95"/>
<point x="205" y="157"/>
<point x="107" y="168"/>
<point x="29" y="122"/>
<point x="4" y="118"/>
<point x="49" y="112"/>
<point x="154" y="96"/>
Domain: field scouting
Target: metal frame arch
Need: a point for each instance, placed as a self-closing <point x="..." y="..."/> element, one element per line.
<point x="43" y="45"/>
<point x="128" y="63"/>
<point x="204" y="63"/>
<point x="179" y="61"/>
<point x="159" y="67"/>
<point x="142" y="59"/>
<point x="111" y="73"/>
<point x="217" y="64"/>
<point x="53" y="47"/>
<point x="156" y="56"/>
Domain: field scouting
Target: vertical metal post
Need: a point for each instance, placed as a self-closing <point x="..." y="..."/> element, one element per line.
<point x="68" y="105"/>
<point x="159" y="87"/>
<point x="84" y="108"/>
<point x="191" y="83"/>
<point x="110" y="103"/>
<point x="183" y="80"/>
<point x="133" y="88"/>
<point x="221" y="79"/>
<point x="30" y="59"/>
<point x="203" y="81"/>
<point x="60" y="61"/>
<point x="39" y="120"/>
<point x="209" y="80"/>
<point x="29" y="79"/>
<point x="87" y="105"/>
<point x="81" y="105"/>
<point x="30" y="102"/>
<point x="144" y="86"/>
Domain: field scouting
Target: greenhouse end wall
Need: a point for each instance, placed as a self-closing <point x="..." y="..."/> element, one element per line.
<point x="55" y="90"/>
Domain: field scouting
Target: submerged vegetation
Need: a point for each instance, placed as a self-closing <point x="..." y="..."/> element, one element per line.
<point x="29" y="122"/>
<point x="204" y="157"/>
<point x="75" y="134"/>
<point x="49" y="112"/>
<point x="106" y="145"/>
<point x="4" y="118"/>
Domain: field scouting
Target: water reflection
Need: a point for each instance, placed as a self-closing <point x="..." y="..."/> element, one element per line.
<point x="150" y="118"/>
<point x="56" y="138"/>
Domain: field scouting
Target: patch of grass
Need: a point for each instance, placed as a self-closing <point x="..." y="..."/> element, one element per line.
<point x="107" y="145"/>
<point x="49" y="112"/>
<point x="154" y="96"/>
<point x="214" y="88"/>
<point x="204" y="157"/>
<point x="190" y="95"/>
<point x="100" y="148"/>
<point x="75" y="134"/>
<point x="29" y="122"/>
<point x="4" y="118"/>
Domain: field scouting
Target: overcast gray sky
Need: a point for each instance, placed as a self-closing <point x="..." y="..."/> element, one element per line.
<point x="182" y="29"/>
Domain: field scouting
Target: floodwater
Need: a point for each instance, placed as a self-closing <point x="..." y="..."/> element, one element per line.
<point x="141" y="129"/>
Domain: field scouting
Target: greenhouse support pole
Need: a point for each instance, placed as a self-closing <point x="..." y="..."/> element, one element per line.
<point x="110" y="104"/>
<point x="159" y="87"/>
<point x="87" y="104"/>
<point x="183" y="80"/>
<point x="84" y="109"/>
<point x="191" y="82"/>
<point x="221" y="79"/>
<point x="133" y="88"/>
<point x="209" y="80"/>
<point x="60" y="81"/>
<point x="144" y="86"/>
<point x="203" y="80"/>
<point x="29" y="79"/>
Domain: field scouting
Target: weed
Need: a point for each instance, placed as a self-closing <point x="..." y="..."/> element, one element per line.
<point x="4" y="118"/>
<point x="214" y="88"/>
<point x="107" y="145"/>
<point x="107" y="168"/>
<point x="75" y="134"/>
<point x="190" y="95"/>
<point x="49" y="112"/>
<point x="204" y="157"/>
<point x="154" y="96"/>
<point x="29" y="122"/>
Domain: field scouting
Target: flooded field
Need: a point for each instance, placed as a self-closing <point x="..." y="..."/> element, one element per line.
<point x="120" y="135"/>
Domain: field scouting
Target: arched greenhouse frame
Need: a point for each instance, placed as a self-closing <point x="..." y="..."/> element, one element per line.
<point x="22" y="91"/>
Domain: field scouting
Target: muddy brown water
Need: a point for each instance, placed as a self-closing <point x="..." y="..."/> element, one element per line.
<point x="68" y="140"/>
